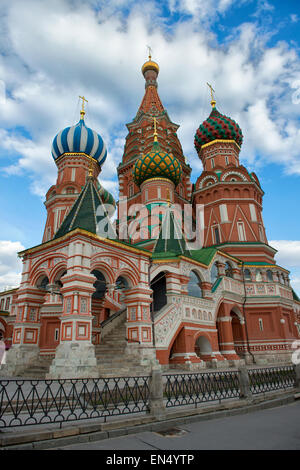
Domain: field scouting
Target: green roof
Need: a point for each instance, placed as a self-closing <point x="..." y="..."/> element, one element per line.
<point x="295" y="296"/>
<point x="171" y="240"/>
<point x="204" y="255"/>
<point x="83" y="213"/>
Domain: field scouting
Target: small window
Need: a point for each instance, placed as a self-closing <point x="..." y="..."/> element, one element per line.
<point x="226" y="160"/>
<point x="131" y="190"/>
<point x="247" y="275"/>
<point x="261" y="234"/>
<point x="228" y="270"/>
<point x="7" y="303"/>
<point x="212" y="163"/>
<point x="216" y="235"/>
<point x="261" y="325"/>
<point x="258" y="276"/>
<point x="269" y="275"/>
<point x="56" y="334"/>
<point x="32" y="314"/>
<point x="241" y="231"/>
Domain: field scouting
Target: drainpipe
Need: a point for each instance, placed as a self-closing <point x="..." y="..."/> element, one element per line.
<point x="151" y="305"/>
<point x="246" y="327"/>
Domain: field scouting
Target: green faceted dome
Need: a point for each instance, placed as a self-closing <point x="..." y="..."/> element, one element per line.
<point x="157" y="164"/>
<point x="217" y="126"/>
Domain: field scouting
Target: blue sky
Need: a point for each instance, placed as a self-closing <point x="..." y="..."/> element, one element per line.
<point x="51" y="52"/>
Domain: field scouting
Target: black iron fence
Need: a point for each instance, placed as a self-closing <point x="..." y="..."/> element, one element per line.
<point x="29" y="402"/>
<point x="271" y="378"/>
<point x="191" y="389"/>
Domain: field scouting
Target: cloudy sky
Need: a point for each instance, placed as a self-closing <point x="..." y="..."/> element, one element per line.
<point x="51" y="52"/>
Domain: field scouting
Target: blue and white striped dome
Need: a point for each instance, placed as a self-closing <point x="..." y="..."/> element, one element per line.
<point x="79" y="139"/>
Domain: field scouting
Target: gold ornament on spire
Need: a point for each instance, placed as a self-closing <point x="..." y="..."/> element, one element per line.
<point x="155" y="130"/>
<point x="82" y="112"/>
<point x="150" y="64"/>
<point x="91" y="168"/>
<point x="149" y="52"/>
<point x="212" y="91"/>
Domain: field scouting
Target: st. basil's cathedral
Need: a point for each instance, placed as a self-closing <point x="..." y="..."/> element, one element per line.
<point x="91" y="305"/>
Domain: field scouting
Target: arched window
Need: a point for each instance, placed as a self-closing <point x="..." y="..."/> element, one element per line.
<point x="269" y="275"/>
<point x="121" y="283"/>
<point x="99" y="284"/>
<point x="214" y="273"/>
<point x="159" y="287"/>
<point x="228" y="270"/>
<point x="70" y="190"/>
<point x="43" y="284"/>
<point x="194" y="285"/>
<point x="258" y="276"/>
<point x="247" y="275"/>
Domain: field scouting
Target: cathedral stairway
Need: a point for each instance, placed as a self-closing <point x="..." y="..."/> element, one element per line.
<point x="112" y="358"/>
<point x="38" y="370"/>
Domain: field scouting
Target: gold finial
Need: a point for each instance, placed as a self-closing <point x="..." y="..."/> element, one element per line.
<point x="155" y="131"/>
<point x="212" y="91"/>
<point x="91" y="168"/>
<point x="82" y="112"/>
<point x="149" y="52"/>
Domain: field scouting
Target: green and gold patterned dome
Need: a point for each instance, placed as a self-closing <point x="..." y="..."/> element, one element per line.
<point x="157" y="164"/>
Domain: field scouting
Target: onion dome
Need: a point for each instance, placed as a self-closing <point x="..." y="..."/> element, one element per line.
<point x="79" y="139"/>
<point x="217" y="126"/>
<point x="157" y="164"/>
<point x="150" y="65"/>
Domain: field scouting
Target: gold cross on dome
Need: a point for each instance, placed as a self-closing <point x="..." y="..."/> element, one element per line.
<point x="212" y="91"/>
<point x="82" y="112"/>
<point x="149" y="52"/>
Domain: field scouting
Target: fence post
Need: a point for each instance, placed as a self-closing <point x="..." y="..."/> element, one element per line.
<point x="297" y="381"/>
<point x="245" y="390"/>
<point x="156" y="399"/>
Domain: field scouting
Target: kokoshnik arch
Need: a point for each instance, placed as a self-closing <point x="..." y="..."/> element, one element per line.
<point x="89" y="305"/>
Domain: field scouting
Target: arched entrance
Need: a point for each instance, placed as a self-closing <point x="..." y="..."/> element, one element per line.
<point x="159" y="287"/>
<point x="237" y="331"/>
<point x="227" y="314"/>
<point x="99" y="311"/>
<point x="121" y="286"/>
<point x="203" y="348"/>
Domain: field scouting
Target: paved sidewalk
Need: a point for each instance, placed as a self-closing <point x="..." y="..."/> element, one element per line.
<point x="272" y="429"/>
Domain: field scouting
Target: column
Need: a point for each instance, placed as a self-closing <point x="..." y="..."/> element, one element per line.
<point x="25" y="349"/>
<point x="139" y="327"/>
<point x="225" y="333"/>
<point x="75" y="355"/>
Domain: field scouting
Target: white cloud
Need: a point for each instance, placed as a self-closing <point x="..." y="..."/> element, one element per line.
<point x="57" y="53"/>
<point x="288" y="255"/>
<point x="10" y="265"/>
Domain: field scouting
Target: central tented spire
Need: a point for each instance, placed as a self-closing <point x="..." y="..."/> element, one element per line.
<point x="151" y="103"/>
